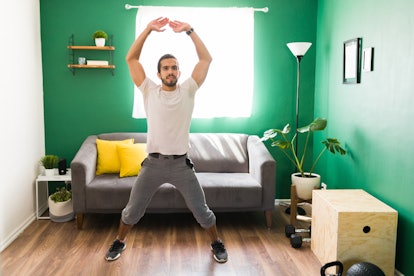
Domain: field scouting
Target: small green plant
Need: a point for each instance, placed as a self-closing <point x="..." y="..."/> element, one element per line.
<point x="99" y="34"/>
<point x="49" y="161"/>
<point x="287" y="146"/>
<point x="61" y="195"/>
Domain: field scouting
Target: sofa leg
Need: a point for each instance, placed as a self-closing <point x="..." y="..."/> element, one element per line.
<point x="268" y="216"/>
<point x="79" y="220"/>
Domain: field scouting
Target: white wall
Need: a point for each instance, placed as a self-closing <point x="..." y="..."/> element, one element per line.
<point x="21" y="115"/>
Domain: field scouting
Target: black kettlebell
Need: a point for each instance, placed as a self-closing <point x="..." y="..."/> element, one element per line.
<point x="365" y="269"/>
<point x="358" y="269"/>
<point x="335" y="263"/>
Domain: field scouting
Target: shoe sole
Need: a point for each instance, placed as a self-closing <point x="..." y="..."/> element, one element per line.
<point x="219" y="260"/>
<point x="109" y="259"/>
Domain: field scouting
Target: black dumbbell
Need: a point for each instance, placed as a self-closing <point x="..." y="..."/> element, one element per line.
<point x="297" y="240"/>
<point x="290" y="229"/>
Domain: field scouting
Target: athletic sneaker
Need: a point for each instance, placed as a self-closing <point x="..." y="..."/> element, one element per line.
<point x="115" y="250"/>
<point x="219" y="251"/>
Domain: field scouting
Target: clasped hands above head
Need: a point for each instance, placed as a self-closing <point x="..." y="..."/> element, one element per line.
<point x="177" y="26"/>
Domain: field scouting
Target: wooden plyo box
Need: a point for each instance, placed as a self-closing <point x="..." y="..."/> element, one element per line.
<point x="353" y="226"/>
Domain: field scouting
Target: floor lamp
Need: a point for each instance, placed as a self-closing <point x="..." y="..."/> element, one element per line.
<point x="298" y="49"/>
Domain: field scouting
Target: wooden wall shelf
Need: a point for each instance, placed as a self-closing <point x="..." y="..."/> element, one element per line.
<point x="72" y="65"/>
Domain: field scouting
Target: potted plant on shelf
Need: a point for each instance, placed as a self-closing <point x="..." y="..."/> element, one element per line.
<point x="60" y="205"/>
<point x="49" y="162"/>
<point x="305" y="179"/>
<point x="100" y="37"/>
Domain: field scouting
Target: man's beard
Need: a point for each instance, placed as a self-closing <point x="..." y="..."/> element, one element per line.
<point x="170" y="83"/>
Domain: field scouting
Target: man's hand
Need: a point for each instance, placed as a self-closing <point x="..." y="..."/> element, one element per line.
<point x="178" y="26"/>
<point x="158" y="24"/>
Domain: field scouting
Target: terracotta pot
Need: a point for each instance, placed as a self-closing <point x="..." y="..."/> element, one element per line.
<point x="305" y="185"/>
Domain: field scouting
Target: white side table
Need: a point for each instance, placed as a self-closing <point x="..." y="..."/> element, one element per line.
<point x="67" y="178"/>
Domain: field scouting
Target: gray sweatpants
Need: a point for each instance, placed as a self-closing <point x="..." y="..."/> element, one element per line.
<point x="165" y="169"/>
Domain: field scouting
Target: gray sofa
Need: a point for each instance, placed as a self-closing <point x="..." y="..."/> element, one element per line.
<point x="236" y="171"/>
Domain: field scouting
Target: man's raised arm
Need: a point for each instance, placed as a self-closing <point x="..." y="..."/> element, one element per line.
<point x="204" y="58"/>
<point x="132" y="58"/>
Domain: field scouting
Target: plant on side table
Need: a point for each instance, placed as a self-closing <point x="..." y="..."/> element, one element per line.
<point x="279" y="138"/>
<point x="49" y="162"/>
<point x="60" y="205"/>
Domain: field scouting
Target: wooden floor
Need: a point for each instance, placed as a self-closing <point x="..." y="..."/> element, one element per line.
<point x="160" y="244"/>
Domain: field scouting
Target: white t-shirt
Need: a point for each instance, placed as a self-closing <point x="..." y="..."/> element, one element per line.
<point x="168" y="116"/>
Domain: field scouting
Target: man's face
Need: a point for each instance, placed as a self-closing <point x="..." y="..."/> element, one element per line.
<point x="169" y="72"/>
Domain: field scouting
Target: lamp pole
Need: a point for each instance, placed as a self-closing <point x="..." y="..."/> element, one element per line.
<point x="298" y="59"/>
<point x="298" y="49"/>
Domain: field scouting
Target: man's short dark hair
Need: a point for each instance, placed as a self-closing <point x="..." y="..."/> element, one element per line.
<point x="166" y="56"/>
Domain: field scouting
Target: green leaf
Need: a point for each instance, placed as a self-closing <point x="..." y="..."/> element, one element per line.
<point x="286" y="129"/>
<point x="281" y="144"/>
<point x="61" y="195"/>
<point x="316" y="125"/>
<point x="49" y="161"/>
<point x="333" y="145"/>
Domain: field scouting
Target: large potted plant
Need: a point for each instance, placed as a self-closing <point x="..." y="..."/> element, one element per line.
<point x="49" y="162"/>
<point x="305" y="179"/>
<point x="100" y="37"/>
<point x="60" y="205"/>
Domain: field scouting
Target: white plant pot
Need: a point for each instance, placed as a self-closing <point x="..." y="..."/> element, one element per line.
<point x="100" y="42"/>
<point x="49" y="172"/>
<point x="305" y="185"/>
<point x="61" y="211"/>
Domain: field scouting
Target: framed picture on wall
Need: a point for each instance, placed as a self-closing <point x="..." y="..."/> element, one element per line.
<point x="368" y="59"/>
<point x="352" y="61"/>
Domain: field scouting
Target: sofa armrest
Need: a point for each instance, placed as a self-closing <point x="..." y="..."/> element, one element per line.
<point x="83" y="169"/>
<point x="262" y="167"/>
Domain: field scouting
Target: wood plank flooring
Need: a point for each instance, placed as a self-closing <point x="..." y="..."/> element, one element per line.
<point x="160" y="244"/>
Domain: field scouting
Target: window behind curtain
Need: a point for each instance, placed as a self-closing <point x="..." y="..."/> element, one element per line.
<point x="228" y="35"/>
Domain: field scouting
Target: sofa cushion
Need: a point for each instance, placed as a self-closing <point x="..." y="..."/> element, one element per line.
<point x="107" y="160"/>
<point x="108" y="190"/>
<point x="238" y="188"/>
<point x="210" y="152"/>
<point x="220" y="152"/>
<point x="131" y="157"/>
<point x="139" y="137"/>
<point x="103" y="189"/>
<point x="220" y="188"/>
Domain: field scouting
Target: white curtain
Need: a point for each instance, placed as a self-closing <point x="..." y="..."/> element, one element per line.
<point x="228" y="34"/>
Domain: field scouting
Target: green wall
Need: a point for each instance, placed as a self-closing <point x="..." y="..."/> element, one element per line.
<point x="373" y="118"/>
<point x="94" y="101"/>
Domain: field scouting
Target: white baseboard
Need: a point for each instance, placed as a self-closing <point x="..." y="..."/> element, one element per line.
<point x="282" y="201"/>
<point x="16" y="232"/>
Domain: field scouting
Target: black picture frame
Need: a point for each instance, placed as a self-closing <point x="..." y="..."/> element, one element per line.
<point x="352" y="61"/>
<point x="367" y="62"/>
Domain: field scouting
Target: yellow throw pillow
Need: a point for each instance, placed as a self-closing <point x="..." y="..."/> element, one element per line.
<point x="131" y="157"/>
<point x="108" y="161"/>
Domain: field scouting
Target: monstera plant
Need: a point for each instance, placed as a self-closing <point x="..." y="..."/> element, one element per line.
<point x="280" y="139"/>
<point x="305" y="179"/>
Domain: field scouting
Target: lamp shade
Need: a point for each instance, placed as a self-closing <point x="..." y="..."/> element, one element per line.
<point x="299" y="48"/>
